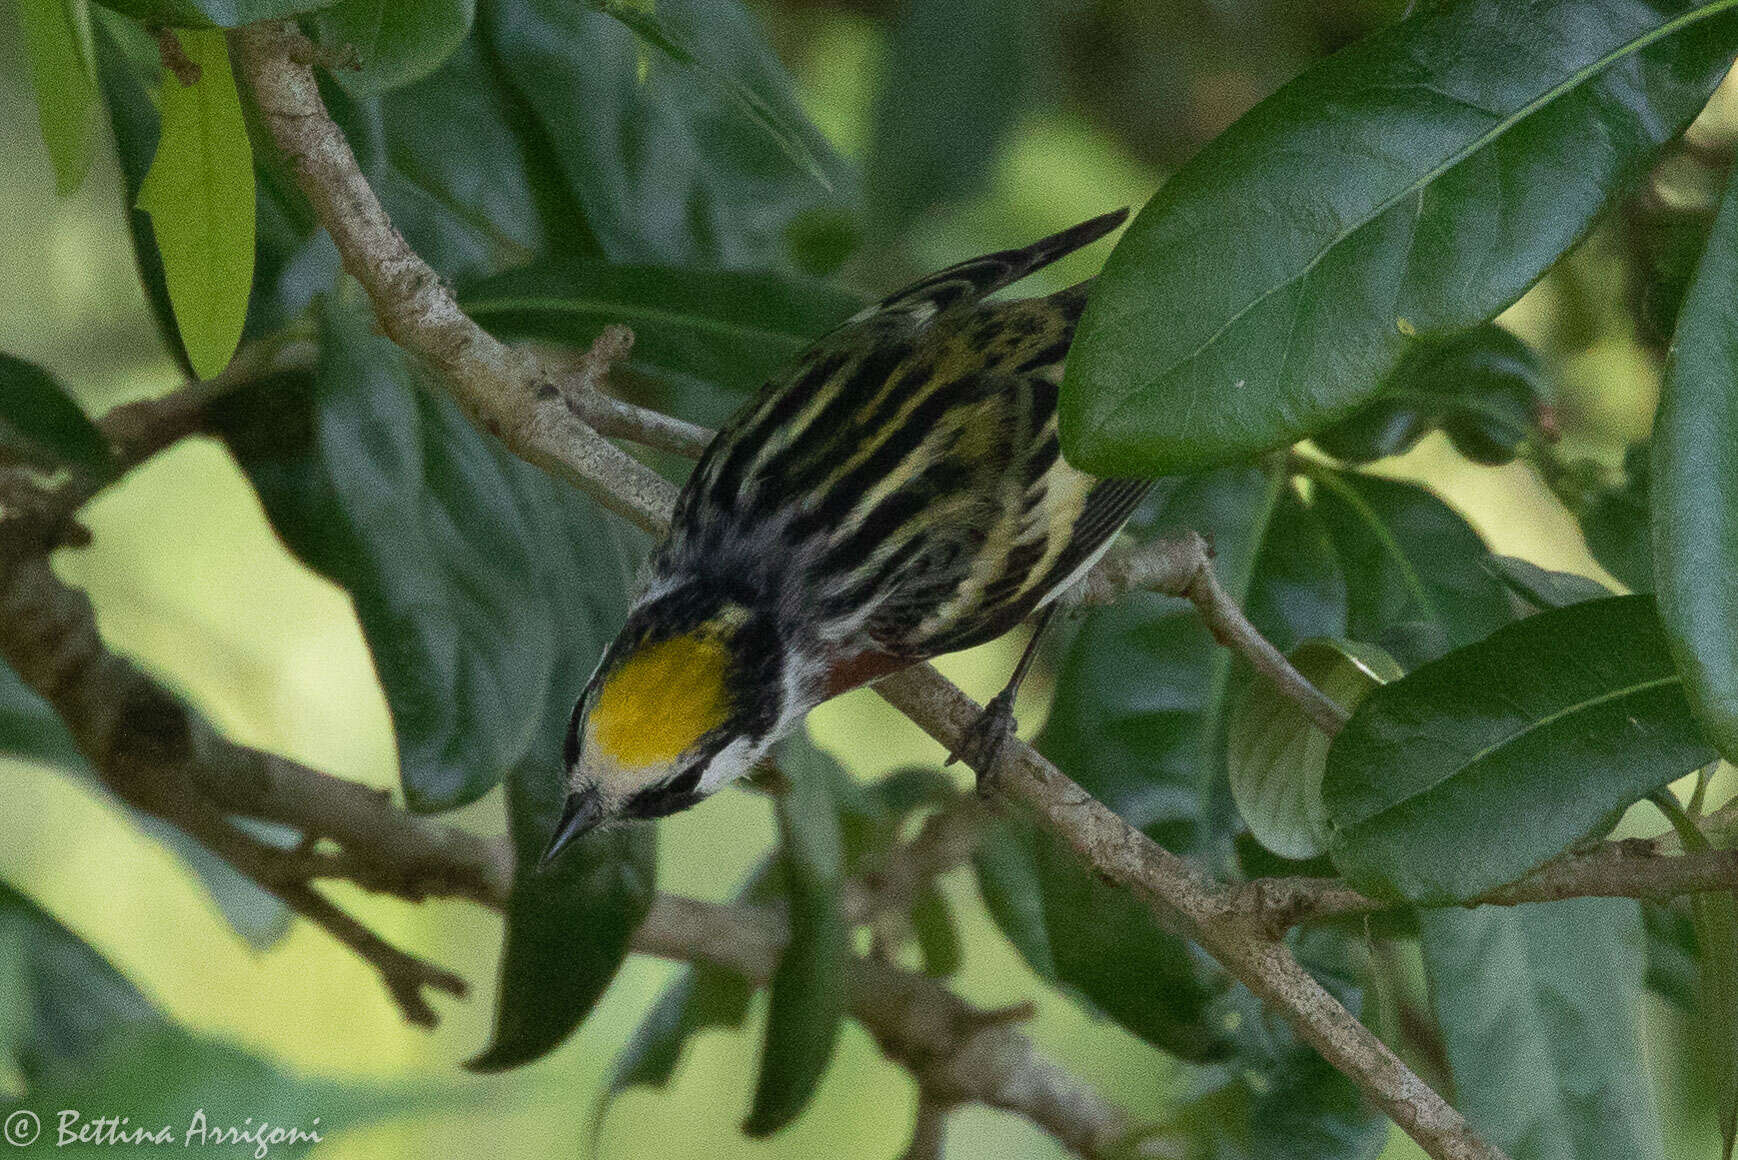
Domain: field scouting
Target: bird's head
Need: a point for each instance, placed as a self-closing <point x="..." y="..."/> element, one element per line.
<point x="685" y="701"/>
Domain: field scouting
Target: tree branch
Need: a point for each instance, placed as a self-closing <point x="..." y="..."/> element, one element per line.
<point x="509" y="394"/>
<point x="507" y="391"/>
<point x="1183" y="566"/>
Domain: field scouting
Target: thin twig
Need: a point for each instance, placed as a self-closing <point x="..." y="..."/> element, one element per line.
<point x="1183" y="567"/>
<point x="583" y="389"/>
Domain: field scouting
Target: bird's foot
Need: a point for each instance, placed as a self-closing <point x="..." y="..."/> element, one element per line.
<point x="983" y="741"/>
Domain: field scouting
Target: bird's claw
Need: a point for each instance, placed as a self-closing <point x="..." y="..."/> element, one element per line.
<point x="983" y="740"/>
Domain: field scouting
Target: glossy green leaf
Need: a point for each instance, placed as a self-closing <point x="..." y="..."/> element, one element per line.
<point x="200" y="195"/>
<point x="1716" y="923"/>
<point x="40" y="422"/>
<point x="1413" y="184"/>
<point x="1415" y="580"/>
<point x="1135" y="720"/>
<point x="1539" y="1013"/>
<point x="1276" y="756"/>
<point x="769" y="111"/>
<point x="1615" y="520"/>
<point x="1477" y="767"/>
<point x="1695" y="487"/>
<point x="664" y="170"/>
<point x="728" y="327"/>
<point x="807" y="995"/>
<point x="955" y="82"/>
<point x="132" y="119"/>
<point x="1482" y="388"/>
<point x="396" y="41"/>
<point x="57" y="36"/>
<point x="1298" y="588"/>
<point x="470" y="211"/>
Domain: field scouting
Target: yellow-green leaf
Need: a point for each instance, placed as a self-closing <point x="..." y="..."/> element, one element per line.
<point x="199" y="194"/>
<point x="57" y="35"/>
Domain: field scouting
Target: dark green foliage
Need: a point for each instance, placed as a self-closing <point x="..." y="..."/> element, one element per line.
<point x="1483" y="389"/>
<point x="1356" y="209"/>
<point x="1695" y="488"/>
<point x="1478" y="767"/>
<point x="41" y="424"/>
<point x="956" y="81"/>
<point x="807" y="997"/>
<point x="1615" y="522"/>
<point x="725" y="327"/>
<point x="1537" y="1007"/>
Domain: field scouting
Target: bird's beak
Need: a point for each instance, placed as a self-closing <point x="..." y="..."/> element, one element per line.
<point x="583" y="811"/>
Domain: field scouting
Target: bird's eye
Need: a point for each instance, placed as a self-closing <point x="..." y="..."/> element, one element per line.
<point x="686" y="782"/>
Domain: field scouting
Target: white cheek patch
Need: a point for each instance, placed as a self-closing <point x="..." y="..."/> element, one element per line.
<point x="731" y="763"/>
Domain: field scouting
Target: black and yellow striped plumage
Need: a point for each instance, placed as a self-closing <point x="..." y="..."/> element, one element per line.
<point x="897" y="494"/>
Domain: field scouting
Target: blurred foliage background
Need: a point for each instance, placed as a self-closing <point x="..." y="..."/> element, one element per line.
<point x="1070" y="108"/>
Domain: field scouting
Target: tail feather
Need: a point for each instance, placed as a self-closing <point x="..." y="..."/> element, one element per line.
<point x="976" y="278"/>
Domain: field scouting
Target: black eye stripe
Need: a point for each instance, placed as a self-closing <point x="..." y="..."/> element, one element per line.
<point x="684" y="783"/>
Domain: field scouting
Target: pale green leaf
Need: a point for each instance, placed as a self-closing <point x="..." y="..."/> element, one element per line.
<point x="57" y="36"/>
<point x="200" y="196"/>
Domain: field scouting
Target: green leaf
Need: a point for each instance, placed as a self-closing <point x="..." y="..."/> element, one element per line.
<point x="1478" y="767"/>
<point x="1298" y="588"/>
<point x="701" y="996"/>
<point x="807" y="1000"/>
<point x="40" y="422"/>
<point x="61" y="1000"/>
<point x="1414" y="183"/>
<point x="133" y="120"/>
<point x="1005" y="862"/>
<point x="57" y="36"/>
<point x="770" y="111"/>
<point x="567" y="927"/>
<point x="397" y="41"/>
<point x="81" y="1036"/>
<point x="1672" y="953"/>
<point x="1276" y="756"/>
<point x="1615" y="521"/>
<point x="1538" y="1008"/>
<point x="728" y="327"/>
<point x="1541" y="587"/>
<point x="461" y="168"/>
<point x="200" y="196"/>
<point x="1483" y="388"/>
<point x="1716" y="922"/>
<point x="664" y="171"/>
<point x="938" y="938"/>
<point x="955" y="83"/>
<point x="1695" y="487"/>
<point x="1415" y="580"/>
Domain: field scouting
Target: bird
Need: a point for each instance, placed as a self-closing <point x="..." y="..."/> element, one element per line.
<point x="896" y="494"/>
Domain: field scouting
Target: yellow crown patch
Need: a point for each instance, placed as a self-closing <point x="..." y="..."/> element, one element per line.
<point x="661" y="700"/>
